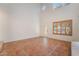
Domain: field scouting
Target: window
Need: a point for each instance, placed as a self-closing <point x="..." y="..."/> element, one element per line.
<point x="62" y="27"/>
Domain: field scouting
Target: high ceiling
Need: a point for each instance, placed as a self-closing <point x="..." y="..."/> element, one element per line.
<point x="53" y="5"/>
<point x="58" y="5"/>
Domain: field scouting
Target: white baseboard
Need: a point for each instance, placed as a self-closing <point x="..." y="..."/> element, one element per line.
<point x="11" y="40"/>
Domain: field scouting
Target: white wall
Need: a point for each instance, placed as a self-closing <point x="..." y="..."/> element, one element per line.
<point x="75" y="48"/>
<point x="50" y="15"/>
<point x="23" y="21"/>
<point x="3" y="23"/>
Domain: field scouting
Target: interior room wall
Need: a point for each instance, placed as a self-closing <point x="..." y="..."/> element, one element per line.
<point x="23" y="21"/>
<point x="49" y="15"/>
<point x="3" y="23"/>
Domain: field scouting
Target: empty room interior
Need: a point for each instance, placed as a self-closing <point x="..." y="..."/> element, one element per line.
<point x="39" y="29"/>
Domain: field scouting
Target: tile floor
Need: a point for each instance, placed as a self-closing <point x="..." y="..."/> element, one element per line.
<point x="37" y="47"/>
